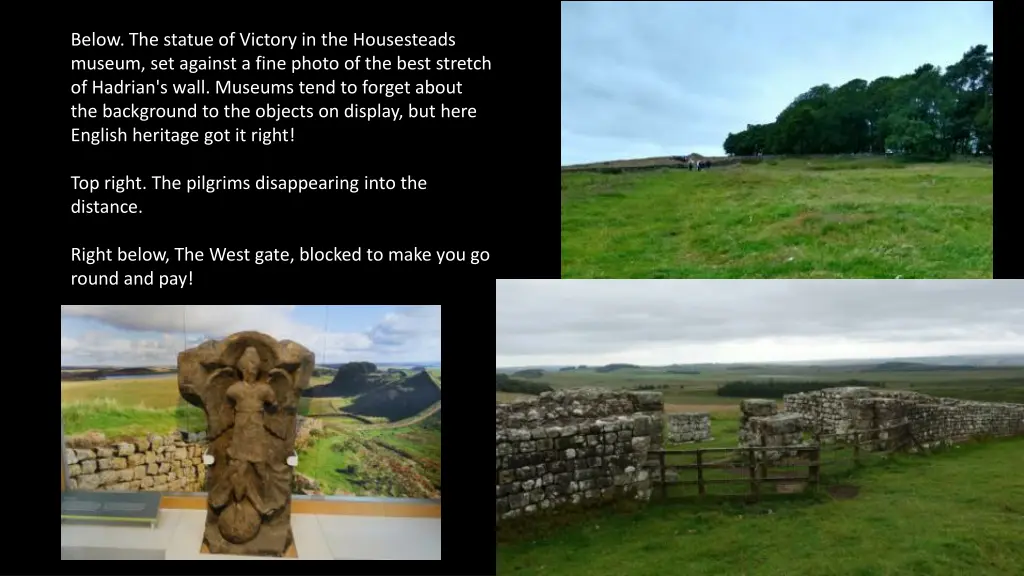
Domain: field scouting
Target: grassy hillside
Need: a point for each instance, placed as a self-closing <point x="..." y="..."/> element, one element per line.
<point x="790" y="218"/>
<point x="400" y="462"/>
<point x="958" y="512"/>
<point x="398" y="400"/>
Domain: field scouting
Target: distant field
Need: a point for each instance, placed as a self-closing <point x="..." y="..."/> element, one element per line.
<point x="1003" y="384"/>
<point x="128" y="407"/>
<point x="791" y="218"/>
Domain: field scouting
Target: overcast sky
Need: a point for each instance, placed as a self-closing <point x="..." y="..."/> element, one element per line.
<point x="646" y="79"/>
<point x="153" y="335"/>
<point x="660" y="322"/>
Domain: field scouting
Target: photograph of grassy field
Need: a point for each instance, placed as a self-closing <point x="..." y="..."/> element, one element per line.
<point x="849" y="217"/>
<point x="363" y="430"/>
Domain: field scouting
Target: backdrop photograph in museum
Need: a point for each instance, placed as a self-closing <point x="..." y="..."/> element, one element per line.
<point x="369" y="422"/>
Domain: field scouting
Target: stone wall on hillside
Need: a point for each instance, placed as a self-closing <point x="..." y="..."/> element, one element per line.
<point x="688" y="427"/>
<point x="930" y="420"/>
<point x="171" y="463"/>
<point x="836" y="414"/>
<point x="574" y="447"/>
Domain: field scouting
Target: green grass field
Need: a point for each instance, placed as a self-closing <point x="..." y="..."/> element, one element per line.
<point x="127" y="408"/>
<point x="955" y="512"/>
<point x="792" y="218"/>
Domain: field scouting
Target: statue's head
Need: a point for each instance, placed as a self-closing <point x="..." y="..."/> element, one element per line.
<point x="249" y="364"/>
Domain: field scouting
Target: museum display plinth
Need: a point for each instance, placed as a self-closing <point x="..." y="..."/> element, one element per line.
<point x="248" y="385"/>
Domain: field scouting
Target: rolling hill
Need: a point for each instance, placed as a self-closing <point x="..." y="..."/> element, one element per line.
<point x="398" y="400"/>
<point x="353" y="379"/>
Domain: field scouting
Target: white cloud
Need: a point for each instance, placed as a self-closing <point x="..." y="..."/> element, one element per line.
<point x="409" y="334"/>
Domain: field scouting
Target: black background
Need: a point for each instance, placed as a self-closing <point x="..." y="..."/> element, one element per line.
<point x="485" y="187"/>
<point x="1007" y="256"/>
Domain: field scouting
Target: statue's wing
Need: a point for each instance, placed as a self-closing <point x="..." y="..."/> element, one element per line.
<point x="291" y="374"/>
<point x="298" y="361"/>
<point x="203" y="378"/>
<point x="195" y="367"/>
<point x="281" y="420"/>
<point x="220" y="414"/>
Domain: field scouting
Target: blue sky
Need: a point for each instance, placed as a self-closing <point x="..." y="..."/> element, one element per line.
<point x="153" y="335"/>
<point x="644" y="79"/>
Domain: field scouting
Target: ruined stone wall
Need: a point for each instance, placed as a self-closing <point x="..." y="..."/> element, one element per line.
<point x="750" y="411"/>
<point x="931" y="420"/>
<point x="688" y="427"/>
<point x="946" y="421"/>
<point x="833" y="410"/>
<point x="761" y="425"/>
<point x="153" y="463"/>
<point x="574" y="447"/>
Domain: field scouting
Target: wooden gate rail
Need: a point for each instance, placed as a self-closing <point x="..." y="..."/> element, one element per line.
<point x="758" y="467"/>
<point x="813" y="464"/>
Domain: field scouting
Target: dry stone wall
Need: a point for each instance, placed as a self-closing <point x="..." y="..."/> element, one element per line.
<point x="574" y="447"/>
<point x="688" y="427"/>
<point x="833" y="410"/>
<point x="172" y="463"/>
<point x="875" y="416"/>
<point x="930" y="420"/>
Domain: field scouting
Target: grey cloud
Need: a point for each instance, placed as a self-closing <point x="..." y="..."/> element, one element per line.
<point x="607" y="316"/>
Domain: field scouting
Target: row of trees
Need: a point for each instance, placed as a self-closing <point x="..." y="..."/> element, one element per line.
<point x="929" y="114"/>
<point x="505" y="384"/>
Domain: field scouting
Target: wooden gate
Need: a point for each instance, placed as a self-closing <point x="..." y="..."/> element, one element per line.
<point x="749" y="471"/>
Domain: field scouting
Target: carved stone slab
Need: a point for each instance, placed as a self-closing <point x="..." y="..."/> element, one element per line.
<point x="249" y="386"/>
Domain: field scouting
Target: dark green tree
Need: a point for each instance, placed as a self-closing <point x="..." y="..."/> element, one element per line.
<point x="929" y="113"/>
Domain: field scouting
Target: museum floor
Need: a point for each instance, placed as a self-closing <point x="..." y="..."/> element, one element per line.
<point x="330" y="536"/>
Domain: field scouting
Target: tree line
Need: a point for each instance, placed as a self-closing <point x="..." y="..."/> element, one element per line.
<point x="930" y="114"/>
<point x="505" y="384"/>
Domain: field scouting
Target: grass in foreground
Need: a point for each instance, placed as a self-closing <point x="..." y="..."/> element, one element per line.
<point x="957" y="512"/>
<point x="794" y="219"/>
